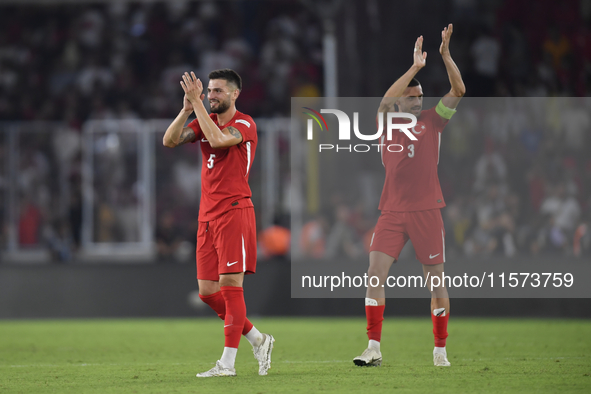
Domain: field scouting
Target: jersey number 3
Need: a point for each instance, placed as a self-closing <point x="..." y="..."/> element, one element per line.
<point x="411" y="147"/>
<point x="210" y="161"/>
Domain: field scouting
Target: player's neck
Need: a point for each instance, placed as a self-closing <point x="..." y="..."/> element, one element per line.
<point x="226" y="116"/>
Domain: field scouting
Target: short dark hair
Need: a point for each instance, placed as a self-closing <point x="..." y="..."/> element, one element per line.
<point x="413" y="82"/>
<point x="229" y="75"/>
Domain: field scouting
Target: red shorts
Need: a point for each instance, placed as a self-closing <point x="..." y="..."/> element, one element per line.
<point x="227" y="245"/>
<point x="423" y="228"/>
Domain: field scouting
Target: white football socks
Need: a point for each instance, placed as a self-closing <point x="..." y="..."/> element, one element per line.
<point x="440" y="350"/>
<point x="254" y="336"/>
<point x="374" y="345"/>
<point x="229" y="357"/>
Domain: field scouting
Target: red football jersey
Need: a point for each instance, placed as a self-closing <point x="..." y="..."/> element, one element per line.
<point x="224" y="174"/>
<point x="411" y="181"/>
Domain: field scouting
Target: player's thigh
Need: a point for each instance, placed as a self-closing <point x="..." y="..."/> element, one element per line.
<point x="379" y="265"/>
<point x="206" y="257"/>
<point x="235" y="241"/>
<point x="427" y="234"/>
<point x="389" y="236"/>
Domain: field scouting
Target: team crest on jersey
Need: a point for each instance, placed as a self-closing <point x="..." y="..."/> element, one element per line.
<point x="418" y="128"/>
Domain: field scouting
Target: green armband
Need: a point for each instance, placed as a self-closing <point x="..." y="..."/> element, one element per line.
<point x="443" y="111"/>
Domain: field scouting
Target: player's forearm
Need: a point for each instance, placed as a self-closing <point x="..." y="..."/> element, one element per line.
<point x="173" y="133"/>
<point x="455" y="78"/>
<point x="212" y="132"/>
<point x="397" y="89"/>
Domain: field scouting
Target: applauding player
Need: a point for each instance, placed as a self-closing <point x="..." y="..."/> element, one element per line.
<point x="411" y="200"/>
<point x="226" y="239"/>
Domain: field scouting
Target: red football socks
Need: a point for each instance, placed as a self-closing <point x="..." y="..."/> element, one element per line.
<point x="375" y="317"/>
<point x="440" y="329"/>
<point x="235" y="314"/>
<point x="218" y="304"/>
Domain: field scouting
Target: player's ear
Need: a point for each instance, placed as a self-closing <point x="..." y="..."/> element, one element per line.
<point x="236" y="93"/>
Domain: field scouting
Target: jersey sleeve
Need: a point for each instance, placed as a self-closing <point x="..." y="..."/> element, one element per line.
<point x="196" y="129"/>
<point x="247" y="128"/>
<point x="439" y="122"/>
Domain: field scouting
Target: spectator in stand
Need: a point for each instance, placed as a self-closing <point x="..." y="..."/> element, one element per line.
<point x="560" y="216"/>
<point x="576" y="122"/>
<point x="495" y="226"/>
<point x="490" y="167"/>
<point x="313" y="237"/>
<point x="486" y="52"/>
<point x="458" y="221"/>
<point x="342" y="240"/>
<point x="168" y="238"/>
<point x="30" y="222"/>
<point x="582" y="237"/>
<point x="557" y="46"/>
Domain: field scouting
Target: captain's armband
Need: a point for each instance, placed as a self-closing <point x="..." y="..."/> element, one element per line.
<point x="443" y="111"/>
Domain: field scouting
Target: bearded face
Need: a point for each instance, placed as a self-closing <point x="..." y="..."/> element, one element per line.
<point x="219" y="106"/>
<point x="219" y="95"/>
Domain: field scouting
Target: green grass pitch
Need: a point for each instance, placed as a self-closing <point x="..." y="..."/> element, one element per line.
<point x="310" y="356"/>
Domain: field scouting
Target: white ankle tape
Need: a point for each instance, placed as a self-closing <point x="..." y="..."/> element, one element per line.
<point x="371" y="302"/>
<point x="439" y="312"/>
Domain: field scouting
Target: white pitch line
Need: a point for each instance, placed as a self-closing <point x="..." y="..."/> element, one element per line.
<point x="147" y="364"/>
<point x="315" y="362"/>
<point x="283" y="362"/>
<point x="78" y="365"/>
<point x="523" y="358"/>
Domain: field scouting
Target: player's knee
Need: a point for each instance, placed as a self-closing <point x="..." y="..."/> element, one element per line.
<point x="439" y="292"/>
<point x="206" y="292"/>
<point x="231" y="280"/>
<point x="379" y="273"/>
<point x="208" y="287"/>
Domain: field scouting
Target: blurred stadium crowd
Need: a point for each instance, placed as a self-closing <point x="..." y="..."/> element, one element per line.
<point x="523" y="189"/>
<point x="121" y="60"/>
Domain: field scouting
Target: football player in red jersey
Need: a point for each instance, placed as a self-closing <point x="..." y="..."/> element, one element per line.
<point x="411" y="200"/>
<point x="226" y="238"/>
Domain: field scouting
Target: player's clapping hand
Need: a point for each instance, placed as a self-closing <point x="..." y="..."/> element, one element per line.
<point x="187" y="106"/>
<point x="193" y="87"/>
<point x="445" y="37"/>
<point x="420" y="57"/>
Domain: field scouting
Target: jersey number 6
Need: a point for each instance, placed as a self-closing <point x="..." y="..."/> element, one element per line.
<point x="210" y="161"/>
